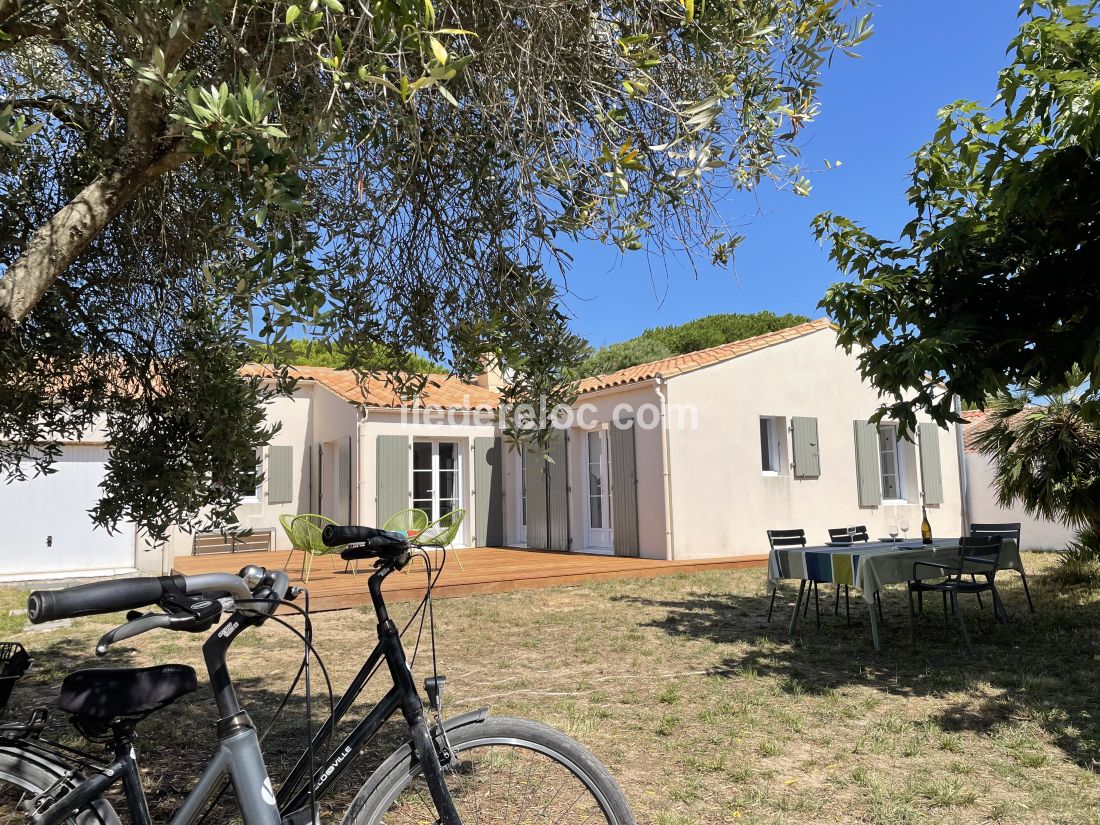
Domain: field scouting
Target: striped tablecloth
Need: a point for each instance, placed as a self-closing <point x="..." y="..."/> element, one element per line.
<point x="871" y="565"/>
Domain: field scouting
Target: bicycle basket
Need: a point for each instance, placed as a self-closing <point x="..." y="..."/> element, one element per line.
<point x="14" y="662"/>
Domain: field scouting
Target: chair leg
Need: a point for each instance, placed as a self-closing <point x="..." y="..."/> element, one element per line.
<point x="946" y="621"/>
<point x="999" y="609"/>
<point x="981" y="604"/>
<point x="307" y="566"/>
<point x="920" y="601"/>
<point x="332" y="558"/>
<point x="912" y="618"/>
<point x="771" y="604"/>
<point x="1027" y="592"/>
<point x="836" y="601"/>
<point x="878" y="601"/>
<point x="962" y="623"/>
<point x="806" y="606"/>
<point x="286" y="563"/>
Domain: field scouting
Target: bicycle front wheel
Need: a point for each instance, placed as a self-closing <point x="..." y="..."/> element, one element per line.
<point x="504" y="772"/>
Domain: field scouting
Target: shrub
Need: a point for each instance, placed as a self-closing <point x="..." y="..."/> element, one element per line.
<point x="1079" y="563"/>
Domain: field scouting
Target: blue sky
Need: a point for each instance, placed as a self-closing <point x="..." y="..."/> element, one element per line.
<point x="876" y="111"/>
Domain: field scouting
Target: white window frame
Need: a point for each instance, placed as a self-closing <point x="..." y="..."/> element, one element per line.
<point x="460" y="477"/>
<point x="899" y="464"/>
<point x="599" y="539"/>
<point x="257" y="494"/>
<point x="775" y="454"/>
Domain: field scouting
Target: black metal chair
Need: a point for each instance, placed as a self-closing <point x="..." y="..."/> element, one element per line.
<point x="840" y="534"/>
<point x="792" y="538"/>
<point x="978" y="556"/>
<point x="1009" y="530"/>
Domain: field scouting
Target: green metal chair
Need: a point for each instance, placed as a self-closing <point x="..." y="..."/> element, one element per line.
<point x="441" y="532"/>
<point x="410" y="521"/>
<point x="308" y="528"/>
<point x="286" y="521"/>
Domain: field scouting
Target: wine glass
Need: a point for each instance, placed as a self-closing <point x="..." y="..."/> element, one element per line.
<point x="904" y="525"/>
<point x="892" y="530"/>
<point x="851" y="534"/>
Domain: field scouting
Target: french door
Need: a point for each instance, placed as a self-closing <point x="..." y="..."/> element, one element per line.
<point x="597" y="492"/>
<point x="521" y="495"/>
<point x="436" y="477"/>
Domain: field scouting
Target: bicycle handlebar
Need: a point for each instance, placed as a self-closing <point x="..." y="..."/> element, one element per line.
<point x="126" y="594"/>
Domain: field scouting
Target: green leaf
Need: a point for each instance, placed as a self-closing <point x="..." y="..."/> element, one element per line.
<point x="292" y="14"/>
<point x="438" y="50"/>
<point x="335" y="6"/>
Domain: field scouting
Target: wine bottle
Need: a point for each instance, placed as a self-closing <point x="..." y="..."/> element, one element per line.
<point x="925" y="526"/>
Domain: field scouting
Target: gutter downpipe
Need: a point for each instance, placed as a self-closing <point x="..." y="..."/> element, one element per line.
<point x="661" y="387"/>
<point x="964" y="481"/>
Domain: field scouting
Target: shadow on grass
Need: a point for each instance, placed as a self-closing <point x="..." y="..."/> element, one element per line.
<point x="1046" y="676"/>
<point x="175" y="743"/>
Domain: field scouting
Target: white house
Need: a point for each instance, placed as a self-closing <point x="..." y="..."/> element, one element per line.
<point x="720" y="445"/>
<point x="692" y="456"/>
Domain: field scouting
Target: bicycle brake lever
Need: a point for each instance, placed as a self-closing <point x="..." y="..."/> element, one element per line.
<point x="134" y="627"/>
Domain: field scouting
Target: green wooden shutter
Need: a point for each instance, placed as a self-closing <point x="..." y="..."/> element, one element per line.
<point x="558" y="480"/>
<point x="868" y="479"/>
<point x="931" y="473"/>
<point x="537" y="528"/>
<point x="343" y="480"/>
<point x="391" y="481"/>
<point x="807" y="453"/>
<point x="280" y="475"/>
<point x="624" y="490"/>
<point x="488" y="492"/>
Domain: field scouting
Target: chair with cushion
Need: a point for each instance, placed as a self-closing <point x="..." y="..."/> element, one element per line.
<point x="979" y="557"/>
<point x="792" y="538"/>
<point x="1006" y="531"/>
<point x="308" y="528"/>
<point x="840" y="535"/>
<point x="411" y="522"/>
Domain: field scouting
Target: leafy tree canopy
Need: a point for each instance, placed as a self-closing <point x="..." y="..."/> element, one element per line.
<point x="993" y="283"/>
<point x="179" y="176"/>
<point x="306" y="352"/>
<point x="664" y="342"/>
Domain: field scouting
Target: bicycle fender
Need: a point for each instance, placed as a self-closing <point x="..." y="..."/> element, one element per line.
<point x="402" y="755"/>
<point x="29" y="761"/>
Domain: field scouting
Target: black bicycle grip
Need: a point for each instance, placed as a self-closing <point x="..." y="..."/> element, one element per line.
<point x="335" y="536"/>
<point x="97" y="597"/>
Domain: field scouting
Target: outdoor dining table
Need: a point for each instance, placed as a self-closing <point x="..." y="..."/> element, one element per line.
<point x="868" y="566"/>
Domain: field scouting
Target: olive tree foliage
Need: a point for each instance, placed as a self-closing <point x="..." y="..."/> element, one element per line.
<point x="993" y="283"/>
<point x="393" y="176"/>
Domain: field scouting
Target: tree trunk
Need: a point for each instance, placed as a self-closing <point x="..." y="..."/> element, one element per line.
<point x="55" y="245"/>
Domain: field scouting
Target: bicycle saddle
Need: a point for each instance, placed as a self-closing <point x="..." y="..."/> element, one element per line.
<point x="97" y="696"/>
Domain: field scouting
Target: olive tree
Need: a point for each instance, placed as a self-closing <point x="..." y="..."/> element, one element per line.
<point x="179" y="178"/>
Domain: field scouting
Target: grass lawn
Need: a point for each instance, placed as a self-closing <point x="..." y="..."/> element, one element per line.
<point x="705" y="713"/>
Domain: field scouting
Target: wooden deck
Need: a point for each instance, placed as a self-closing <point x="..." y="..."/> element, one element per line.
<point x="486" y="570"/>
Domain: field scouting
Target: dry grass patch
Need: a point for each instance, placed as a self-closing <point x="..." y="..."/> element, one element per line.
<point x="704" y="712"/>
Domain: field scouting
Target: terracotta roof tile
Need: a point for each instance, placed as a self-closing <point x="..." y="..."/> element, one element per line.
<point x="688" y="362"/>
<point x="442" y="390"/>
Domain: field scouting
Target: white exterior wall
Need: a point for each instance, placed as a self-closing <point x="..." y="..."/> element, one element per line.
<point x="722" y="501"/>
<point x="459" y="426"/>
<point x="296" y="414"/>
<point x="1035" y="534"/>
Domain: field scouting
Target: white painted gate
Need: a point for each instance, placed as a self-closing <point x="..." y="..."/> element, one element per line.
<point x="45" y="529"/>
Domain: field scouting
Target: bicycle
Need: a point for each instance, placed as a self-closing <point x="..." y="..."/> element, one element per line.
<point x="474" y="768"/>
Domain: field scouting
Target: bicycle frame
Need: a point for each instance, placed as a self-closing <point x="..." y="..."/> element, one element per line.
<point x="239" y="757"/>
